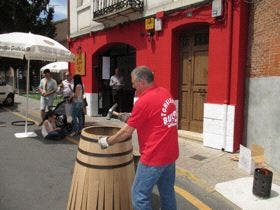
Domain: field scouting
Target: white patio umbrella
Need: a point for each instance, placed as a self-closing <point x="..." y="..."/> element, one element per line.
<point x="32" y="47"/>
<point x="56" y="67"/>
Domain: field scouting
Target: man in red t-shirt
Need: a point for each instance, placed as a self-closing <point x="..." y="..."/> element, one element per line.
<point x="155" y="119"/>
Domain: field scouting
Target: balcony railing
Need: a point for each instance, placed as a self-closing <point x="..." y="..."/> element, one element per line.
<point x="105" y="8"/>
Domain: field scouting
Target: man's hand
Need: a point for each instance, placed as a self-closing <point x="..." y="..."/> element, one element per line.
<point x="123" y="116"/>
<point x="102" y="141"/>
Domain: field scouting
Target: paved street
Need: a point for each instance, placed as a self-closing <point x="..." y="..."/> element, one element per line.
<point x="36" y="174"/>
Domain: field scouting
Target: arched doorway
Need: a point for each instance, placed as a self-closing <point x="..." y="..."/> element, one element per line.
<point x="193" y="77"/>
<point x="110" y="57"/>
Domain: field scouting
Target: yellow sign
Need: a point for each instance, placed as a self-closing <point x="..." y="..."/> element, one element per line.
<point x="80" y="64"/>
<point x="149" y="24"/>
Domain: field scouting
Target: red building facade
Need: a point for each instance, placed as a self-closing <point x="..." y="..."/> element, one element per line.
<point x="200" y="59"/>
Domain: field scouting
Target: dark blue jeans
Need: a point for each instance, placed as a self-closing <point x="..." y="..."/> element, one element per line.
<point x="145" y="179"/>
<point x="77" y="116"/>
<point x="56" y="135"/>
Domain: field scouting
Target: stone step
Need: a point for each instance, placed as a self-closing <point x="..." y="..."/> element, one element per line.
<point x="190" y="135"/>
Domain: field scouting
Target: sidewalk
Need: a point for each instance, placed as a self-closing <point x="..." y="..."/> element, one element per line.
<point x="205" y="166"/>
<point x="201" y="164"/>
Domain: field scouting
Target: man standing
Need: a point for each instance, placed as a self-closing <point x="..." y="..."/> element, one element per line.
<point x="117" y="83"/>
<point x="47" y="88"/>
<point x="66" y="89"/>
<point x="66" y="86"/>
<point x="155" y="119"/>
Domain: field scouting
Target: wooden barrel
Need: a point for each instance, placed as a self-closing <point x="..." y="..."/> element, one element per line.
<point x="102" y="178"/>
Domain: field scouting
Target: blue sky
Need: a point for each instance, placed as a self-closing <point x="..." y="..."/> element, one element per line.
<point x="60" y="9"/>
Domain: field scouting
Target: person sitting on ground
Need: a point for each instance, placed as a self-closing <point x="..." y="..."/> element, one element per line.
<point x="49" y="129"/>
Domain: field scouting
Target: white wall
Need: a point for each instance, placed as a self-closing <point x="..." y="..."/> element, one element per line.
<point x="81" y="17"/>
<point x="218" y="126"/>
<point x="154" y="6"/>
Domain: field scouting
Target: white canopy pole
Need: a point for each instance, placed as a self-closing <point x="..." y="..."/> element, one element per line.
<point x="27" y="94"/>
<point x="26" y="134"/>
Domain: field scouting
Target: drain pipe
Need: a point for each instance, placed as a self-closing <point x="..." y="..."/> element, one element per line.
<point x="68" y="30"/>
<point x="229" y="62"/>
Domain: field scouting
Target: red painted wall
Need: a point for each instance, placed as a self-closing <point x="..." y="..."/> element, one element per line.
<point x="217" y="65"/>
<point x="239" y="57"/>
<point x="159" y="53"/>
<point x="133" y="34"/>
<point x="87" y="46"/>
<point x="226" y="61"/>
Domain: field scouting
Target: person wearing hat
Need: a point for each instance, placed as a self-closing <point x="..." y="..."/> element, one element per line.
<point x="47" y="88"/>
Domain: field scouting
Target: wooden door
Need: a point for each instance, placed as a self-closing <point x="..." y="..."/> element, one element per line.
<point x="193" y="79"/>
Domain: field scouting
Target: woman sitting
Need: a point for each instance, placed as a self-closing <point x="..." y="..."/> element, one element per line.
<point x="49" y="129"/>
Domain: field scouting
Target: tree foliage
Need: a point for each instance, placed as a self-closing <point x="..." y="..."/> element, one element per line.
<point x="33" y="16"/>
<point x="27" y="16"/>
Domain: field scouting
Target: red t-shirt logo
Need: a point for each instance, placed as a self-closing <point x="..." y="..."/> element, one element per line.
<point x="168" y="113"/>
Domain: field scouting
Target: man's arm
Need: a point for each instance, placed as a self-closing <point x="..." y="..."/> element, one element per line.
<point x="40" y="88"/>
<point x="121" y="135"/>
<point x="50" y="93"/>
<point x="111" y="81"/>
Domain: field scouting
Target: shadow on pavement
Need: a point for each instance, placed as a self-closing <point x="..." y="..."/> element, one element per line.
<point x="1" y="110"/>
<point x="15" y="107"/>
<point x="274" y="194"/>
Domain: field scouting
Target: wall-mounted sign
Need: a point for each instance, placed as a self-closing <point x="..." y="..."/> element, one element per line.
<point x="217" y="8"/>
<point x="158" y="24"/>
<point x="149" y="24"/>
<point x="80" y="63"/>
